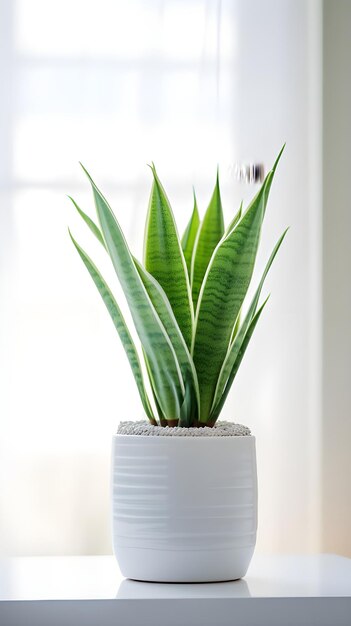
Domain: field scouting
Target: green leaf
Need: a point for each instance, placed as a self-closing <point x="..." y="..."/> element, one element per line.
<point x="164" y="310"/>
<point x="223" y="290"/>
<point x="239" y="337"/>
<point x="164" y="366"/>
<point x="215" y="413"/>
<point x="188" y="239"/>
<point x="234" y="221"/>
<point x="164" y="258"/>
<point x="209" y="234"/>
<point x="94" y="229"/>
<point x="274" y="168"/>
<point x="161" y="417"/>
<point x="120" y="326"/>
<point x="188" y="410"/>
<point x="235" y="327"/>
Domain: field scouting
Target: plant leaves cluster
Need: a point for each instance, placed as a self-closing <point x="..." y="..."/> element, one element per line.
<point x="186" y="299"/>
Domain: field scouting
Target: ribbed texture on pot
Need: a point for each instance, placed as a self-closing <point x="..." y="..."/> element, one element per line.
<point x="184" y="493"/>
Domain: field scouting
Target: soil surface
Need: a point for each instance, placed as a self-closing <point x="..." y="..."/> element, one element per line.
<point x="220" y="429"/>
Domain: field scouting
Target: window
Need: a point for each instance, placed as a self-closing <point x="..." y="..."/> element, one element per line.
<point x="188" y="84"/>
<point x="114" y="85"/>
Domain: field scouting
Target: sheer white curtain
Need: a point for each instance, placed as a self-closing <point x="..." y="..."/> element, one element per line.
<point x="187" y="84"/>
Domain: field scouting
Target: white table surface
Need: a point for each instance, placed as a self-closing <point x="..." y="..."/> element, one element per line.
<point x="277" y="591"/>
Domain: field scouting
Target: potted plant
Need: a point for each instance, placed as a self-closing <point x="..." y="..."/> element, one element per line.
<point x="184" y="485"/>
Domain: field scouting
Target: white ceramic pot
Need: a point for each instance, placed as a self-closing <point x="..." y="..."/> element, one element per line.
<point x="184" y="508"/>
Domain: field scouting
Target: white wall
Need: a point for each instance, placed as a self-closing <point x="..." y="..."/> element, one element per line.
<point x="336" y="457"/>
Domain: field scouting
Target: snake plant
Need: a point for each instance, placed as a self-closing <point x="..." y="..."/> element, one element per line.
<point x="186" y="300"/>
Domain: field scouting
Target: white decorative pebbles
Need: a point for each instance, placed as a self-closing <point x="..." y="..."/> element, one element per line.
<point x="220" y="429"/>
